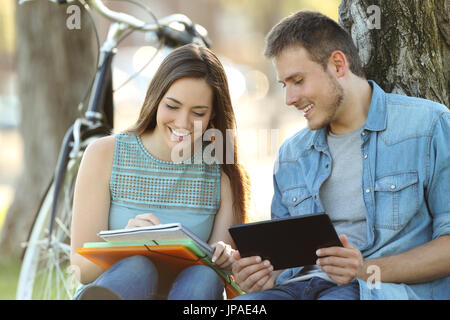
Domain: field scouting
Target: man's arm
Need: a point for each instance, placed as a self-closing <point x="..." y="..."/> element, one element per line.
<point x="424" y="263"/>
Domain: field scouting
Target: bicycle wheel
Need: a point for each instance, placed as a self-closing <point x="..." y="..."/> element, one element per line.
<point x="46" y="272"/>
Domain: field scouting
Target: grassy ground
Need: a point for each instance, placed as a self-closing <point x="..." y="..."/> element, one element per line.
<point x="9" y="267"/>
<point x="9" y="275"/>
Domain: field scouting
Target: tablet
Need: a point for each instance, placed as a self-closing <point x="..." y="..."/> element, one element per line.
<point x="287" y="242"/>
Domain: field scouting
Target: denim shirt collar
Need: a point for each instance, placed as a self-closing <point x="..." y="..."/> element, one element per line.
<point x="376" y="119"/>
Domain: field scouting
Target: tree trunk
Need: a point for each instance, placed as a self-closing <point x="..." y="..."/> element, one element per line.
<point x="408" y="51"/>
<point x="54" y="68"/>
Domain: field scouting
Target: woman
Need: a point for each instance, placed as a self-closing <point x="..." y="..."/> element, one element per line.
<point x="152" y="174"/>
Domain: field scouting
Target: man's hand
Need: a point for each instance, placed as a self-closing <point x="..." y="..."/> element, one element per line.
<point x="252" y="274"/>
<point x="342" y="264"/>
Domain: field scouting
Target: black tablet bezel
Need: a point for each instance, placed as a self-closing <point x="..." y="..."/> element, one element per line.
<point x="286" y="242"/>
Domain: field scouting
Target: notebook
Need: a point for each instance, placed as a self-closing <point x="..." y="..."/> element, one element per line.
<point x="169" y="256"/>
<point x="161" y="232"/>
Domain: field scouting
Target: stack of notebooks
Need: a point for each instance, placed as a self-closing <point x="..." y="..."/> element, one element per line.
<point x="171" y="247"/>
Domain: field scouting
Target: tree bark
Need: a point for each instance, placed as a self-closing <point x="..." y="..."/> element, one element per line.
<point x="410" y="51"/>
<point x="55" y="66"/>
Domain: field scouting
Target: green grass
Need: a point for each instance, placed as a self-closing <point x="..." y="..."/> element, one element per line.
<point x="9" y="276"/>
<point x="9" y="267"/>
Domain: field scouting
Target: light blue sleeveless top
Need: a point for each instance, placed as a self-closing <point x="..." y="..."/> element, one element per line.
<point x="187" y="193"/>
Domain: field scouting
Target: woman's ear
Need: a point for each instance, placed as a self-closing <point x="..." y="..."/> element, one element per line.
<point x="213" y="115"/>
<point x="211" y="126"/>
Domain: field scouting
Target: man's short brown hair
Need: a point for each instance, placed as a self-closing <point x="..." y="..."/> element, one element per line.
<point x="318" y="34"/>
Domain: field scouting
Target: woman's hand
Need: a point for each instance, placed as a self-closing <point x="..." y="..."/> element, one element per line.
<point x="143" y="220"/>
<point x="223" y="255"/>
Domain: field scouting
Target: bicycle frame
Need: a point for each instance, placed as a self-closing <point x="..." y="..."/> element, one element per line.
<point x="99" y="117"/>
<point x="101" y="101"/>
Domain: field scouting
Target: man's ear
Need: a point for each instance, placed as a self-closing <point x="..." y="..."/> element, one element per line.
<point x="337" y="63"/>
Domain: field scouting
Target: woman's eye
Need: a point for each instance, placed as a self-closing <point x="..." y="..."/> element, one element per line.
<point x="298" y="81"/>
<point x="199" y="114"/>
<point x="170" y="107"/>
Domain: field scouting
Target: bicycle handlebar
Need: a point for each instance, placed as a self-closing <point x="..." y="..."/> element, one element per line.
<point x="127" y="19"/>
<point x="122" y="17"/>
<point x="135" y="23"/>
<point x="193" y="29"/>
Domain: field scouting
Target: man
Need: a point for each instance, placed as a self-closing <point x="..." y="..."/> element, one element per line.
<point x="378" y="164"/>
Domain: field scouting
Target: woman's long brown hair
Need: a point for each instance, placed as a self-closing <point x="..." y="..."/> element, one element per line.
<point x="192" y="61"/>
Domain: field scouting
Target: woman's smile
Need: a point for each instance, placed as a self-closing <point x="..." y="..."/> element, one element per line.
<point x="178" y="135"/>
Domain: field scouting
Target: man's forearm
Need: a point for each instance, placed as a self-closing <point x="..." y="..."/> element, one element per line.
<point x="424" y="263"/>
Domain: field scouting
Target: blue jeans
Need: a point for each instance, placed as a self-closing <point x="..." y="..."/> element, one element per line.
<point x="312" y="289"/>
<point x="136" y="278"/>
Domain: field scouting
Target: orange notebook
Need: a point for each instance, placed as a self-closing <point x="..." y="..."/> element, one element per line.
<point x="168" y="256"/>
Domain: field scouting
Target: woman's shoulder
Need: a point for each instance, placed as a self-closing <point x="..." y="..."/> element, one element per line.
<point x="97" y="160"/>
<point x="102" y="146"/>
<point x="100" y="153"/>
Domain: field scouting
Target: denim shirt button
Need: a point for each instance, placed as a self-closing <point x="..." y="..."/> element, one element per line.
<point x="294" y="199"/>
<point x="392" y="186"/>
<point x="367" y="190"/>
<point x="365" y="156"/>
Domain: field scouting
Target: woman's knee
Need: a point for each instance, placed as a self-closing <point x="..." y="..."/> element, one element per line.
<point x="200" y="272"/>
<point x="139" y="265"/>
<point x="132" y="270"/>
<point x="134" y="277"/>
<point x="197" y="282"/>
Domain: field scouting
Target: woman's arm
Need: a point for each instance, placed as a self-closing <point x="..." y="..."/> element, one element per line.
<point x="220" y="238"/>
<point x="91" y="204"/>
<point x="225" y="216"/>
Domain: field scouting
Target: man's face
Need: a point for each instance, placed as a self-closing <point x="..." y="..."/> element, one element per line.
<point x="309" y="87"/>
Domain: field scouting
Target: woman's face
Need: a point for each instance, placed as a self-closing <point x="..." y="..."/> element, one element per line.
<point x="187" y="104"/>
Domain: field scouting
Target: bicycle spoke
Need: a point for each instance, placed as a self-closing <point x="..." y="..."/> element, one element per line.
<point x="62" y="226"/>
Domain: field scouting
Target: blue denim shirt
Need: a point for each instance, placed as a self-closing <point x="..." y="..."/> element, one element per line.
<point x="405" y="183"/>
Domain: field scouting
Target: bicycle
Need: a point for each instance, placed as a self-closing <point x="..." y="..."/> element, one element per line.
<point x="46" y="272"/>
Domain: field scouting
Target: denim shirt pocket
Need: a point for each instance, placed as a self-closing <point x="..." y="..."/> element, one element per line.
<point x="396" y="198"/>
<point x="298" y="200"/>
